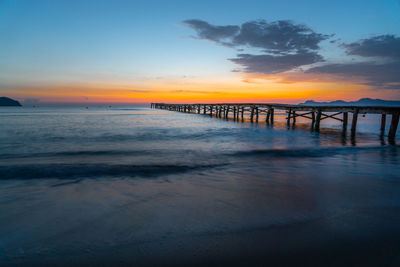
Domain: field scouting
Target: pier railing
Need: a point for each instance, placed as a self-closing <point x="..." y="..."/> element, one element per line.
<point x="314" y="113"/>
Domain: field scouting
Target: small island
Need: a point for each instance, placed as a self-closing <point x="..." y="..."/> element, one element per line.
<point x="5" y="101"/>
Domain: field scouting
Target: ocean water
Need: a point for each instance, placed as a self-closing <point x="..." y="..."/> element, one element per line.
<point x="143" y="186"/>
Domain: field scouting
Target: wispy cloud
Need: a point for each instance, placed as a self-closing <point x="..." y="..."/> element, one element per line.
<point x="141" y="91"/>
<point x="218" y="34"/>
<point x="195" y="92"/>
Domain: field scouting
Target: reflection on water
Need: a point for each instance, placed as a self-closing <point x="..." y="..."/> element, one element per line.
<point x="148" y="186"/>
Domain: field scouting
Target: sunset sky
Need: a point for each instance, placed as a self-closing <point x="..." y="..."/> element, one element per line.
<point x="199" y="51"/>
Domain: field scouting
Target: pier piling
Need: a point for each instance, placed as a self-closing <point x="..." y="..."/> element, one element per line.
<point x="315" y="113"/>
<point x="354" y="122"/>
<point x="318" y="120"/>
<point x="383" y="124"/>
<point x="345" y="121"/>
<point x="252" y="114"/>
<point x="393" y="126"/>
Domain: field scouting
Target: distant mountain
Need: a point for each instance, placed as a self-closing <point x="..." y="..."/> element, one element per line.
<point x="361" y="102"/>
<point x="5" y="101"/>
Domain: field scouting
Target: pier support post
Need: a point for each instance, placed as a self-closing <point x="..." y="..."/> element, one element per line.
<point x="294" y="117"/>
<point x="256" y="114"/>
<point x="272" y="115"/>
<point x="383" y="124"/>
<point x="227" y="112"/>
<point x="345" y="121"/>
<point x="312" y="119"/>
<point x="354" y="123"/>
<point x="242" y="112"/>
<point x="393" y="126"/>
<point x="234" y="112"/>
<point x="268" y="115"/>
<point x="318" y="120"/>
<point x="252" y="114"/>
<point x="288" y="116"/>
<point x="211" y="110"/>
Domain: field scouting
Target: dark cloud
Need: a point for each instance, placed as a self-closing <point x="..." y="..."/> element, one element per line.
<point x="275" y="37"/>
<point x="210" y="32"/>
<point x="384" y="73"/>
<point x="271" y="64"/>
<point x="386" y="46"/>
<point x="383" y="76"/>
<point x="278" y="37"/>
<point x="285" y="45"/>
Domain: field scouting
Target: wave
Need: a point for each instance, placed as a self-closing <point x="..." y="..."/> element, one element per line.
<point x="74" y="171"/>
<point x="94" y="153"/>
<point x="159" y="134"/>
<point x="79" y="153"/>
<point x="273" y="152"/>
<point x="310" y="152"/>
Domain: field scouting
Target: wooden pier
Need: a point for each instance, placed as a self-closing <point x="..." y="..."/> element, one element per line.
<point x="314" y="113"/>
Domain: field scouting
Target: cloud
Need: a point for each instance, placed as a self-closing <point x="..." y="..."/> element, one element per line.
<point x="383" y="73"/>
<point x="380" y="76"/>
<point x="140" y="91"/>
<point x="174" y="91"/>
<point x="284" y="45"/>
<point x="271" y="64"/>
<point x="386" y="46"/>
<point x="210" y="32"/>
<point x="195" y="91"/>
<point x="277" y="37"/>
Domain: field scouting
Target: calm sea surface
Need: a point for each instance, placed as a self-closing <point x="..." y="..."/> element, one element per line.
<point x="138" y="185"/>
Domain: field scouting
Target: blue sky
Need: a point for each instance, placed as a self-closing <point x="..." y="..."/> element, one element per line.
<point x="72" y="41"/>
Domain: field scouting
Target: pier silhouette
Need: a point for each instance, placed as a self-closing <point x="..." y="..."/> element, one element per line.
<point x="316" y="114"/>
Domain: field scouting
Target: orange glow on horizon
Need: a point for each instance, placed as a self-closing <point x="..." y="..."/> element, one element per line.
<point x="288" y="88"/>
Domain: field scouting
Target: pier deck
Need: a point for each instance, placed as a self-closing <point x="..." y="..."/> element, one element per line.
<point x="315" y="113"/>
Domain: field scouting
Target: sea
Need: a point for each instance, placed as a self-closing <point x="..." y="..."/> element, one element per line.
<point x="114" y="186"/>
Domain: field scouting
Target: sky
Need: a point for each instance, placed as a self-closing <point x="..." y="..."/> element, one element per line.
<point x="199" y="51"/>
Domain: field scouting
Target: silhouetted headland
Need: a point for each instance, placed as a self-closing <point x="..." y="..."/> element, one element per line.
<point x="5" y="101"/>
<point x="360" y="102"/>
